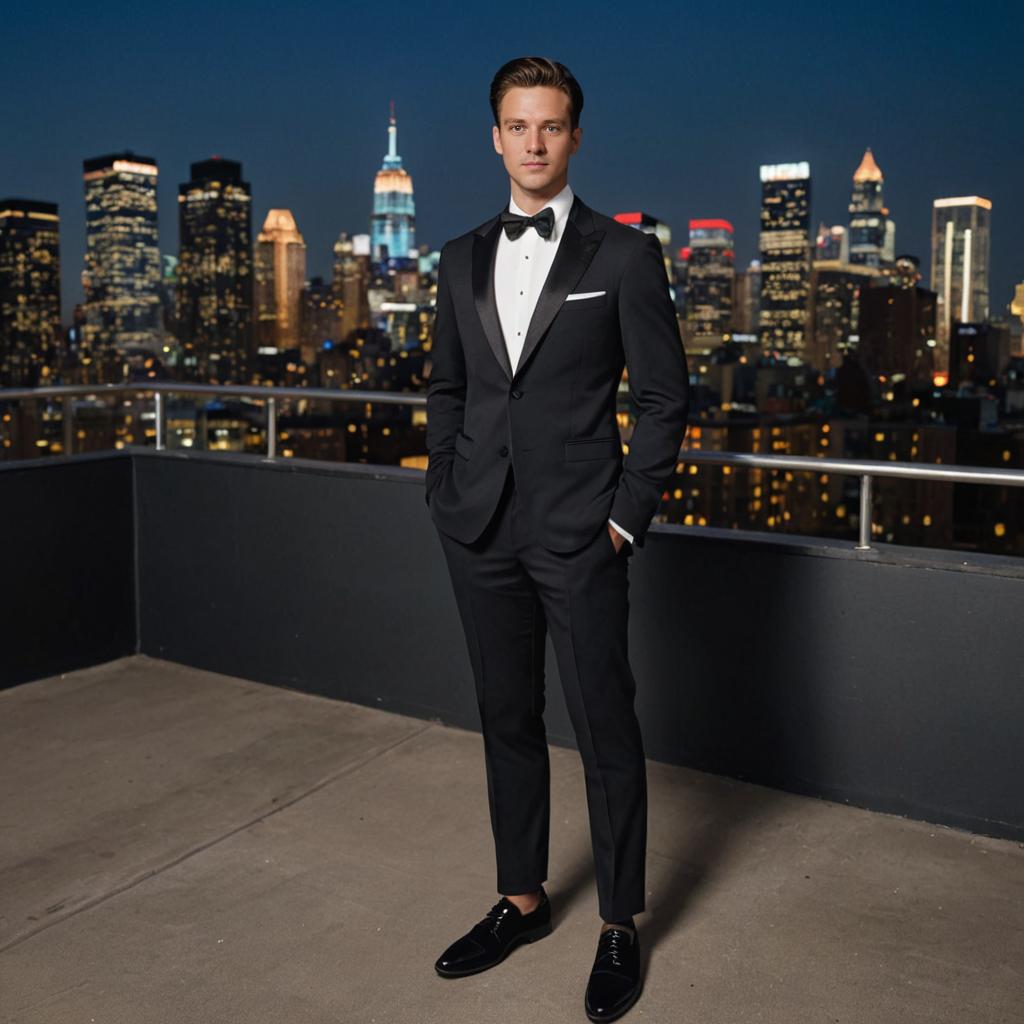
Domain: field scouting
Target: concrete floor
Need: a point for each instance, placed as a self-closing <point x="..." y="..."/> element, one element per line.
<point x="181" y="846"/>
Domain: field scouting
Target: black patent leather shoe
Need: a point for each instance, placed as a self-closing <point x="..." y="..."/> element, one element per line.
<point x="614" y="984"/>
<point x="489" y="941"/>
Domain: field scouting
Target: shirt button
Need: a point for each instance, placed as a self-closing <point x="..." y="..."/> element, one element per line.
<point x="503" y="451"/>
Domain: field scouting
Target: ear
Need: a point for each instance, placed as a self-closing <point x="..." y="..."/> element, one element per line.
<point x="496" y="136"/>
<point x="577" y="136"/>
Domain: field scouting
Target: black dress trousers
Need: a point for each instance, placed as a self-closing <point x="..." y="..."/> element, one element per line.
<point x="510" y="591"/>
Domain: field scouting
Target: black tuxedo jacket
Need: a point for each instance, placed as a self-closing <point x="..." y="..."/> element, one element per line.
<point x="554" y="416"/>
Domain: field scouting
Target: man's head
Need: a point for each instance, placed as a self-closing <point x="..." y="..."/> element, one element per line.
<point x="536" y="104"/>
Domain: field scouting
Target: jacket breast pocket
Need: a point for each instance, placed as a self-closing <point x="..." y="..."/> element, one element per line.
<point x="586" y="300"/>
<point x="463" y="444"/>
<point x="593" y="448"/>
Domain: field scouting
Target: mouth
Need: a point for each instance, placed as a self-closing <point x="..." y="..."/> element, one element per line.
<point x="535" y="165"/>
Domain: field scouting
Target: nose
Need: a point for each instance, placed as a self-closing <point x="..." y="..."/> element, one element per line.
<point x="535" y="143"/>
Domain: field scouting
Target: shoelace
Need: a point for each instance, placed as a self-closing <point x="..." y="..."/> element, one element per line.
<point x="610" y="946"/>
<point x="497" y="913"/>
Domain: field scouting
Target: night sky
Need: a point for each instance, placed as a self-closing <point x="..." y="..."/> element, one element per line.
<point x="683" y="102"/>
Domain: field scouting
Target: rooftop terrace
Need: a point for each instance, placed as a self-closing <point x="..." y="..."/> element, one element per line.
<point x="235" y="702"/>
<point x="190" y="846"/>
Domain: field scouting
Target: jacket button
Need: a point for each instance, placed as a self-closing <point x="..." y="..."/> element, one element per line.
<point x="517" y="394"/>
<point x="503" y="451"/>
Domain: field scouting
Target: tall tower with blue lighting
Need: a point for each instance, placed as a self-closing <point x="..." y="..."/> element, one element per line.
<point x="393" y="225"/>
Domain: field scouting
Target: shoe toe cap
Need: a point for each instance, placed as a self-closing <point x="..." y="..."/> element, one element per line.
<point x="460" y="953"/>
<point x="608" y="993"/>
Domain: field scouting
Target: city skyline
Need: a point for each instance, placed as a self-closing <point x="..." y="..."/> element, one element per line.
<point x="663" y="142"/>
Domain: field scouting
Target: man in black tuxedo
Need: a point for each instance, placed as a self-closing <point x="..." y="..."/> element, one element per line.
<point x="537" y="311"/>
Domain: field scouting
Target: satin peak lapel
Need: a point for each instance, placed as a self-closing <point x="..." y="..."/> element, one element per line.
<point x="485" y="251"/>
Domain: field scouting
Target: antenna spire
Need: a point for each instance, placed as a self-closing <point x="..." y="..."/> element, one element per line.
<point x="392" y="134"/>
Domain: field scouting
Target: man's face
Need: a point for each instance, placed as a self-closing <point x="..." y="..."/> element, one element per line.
<point x="534" y="138"/>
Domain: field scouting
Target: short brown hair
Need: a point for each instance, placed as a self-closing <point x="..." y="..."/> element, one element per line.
<point x="527" y="72"/>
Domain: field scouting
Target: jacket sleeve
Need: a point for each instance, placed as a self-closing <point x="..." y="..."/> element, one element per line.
<point x="658" y="384"/>
<point x="446" y="389"/>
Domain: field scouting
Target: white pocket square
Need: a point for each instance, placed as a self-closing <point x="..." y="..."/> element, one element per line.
<point x="583" y="295"/>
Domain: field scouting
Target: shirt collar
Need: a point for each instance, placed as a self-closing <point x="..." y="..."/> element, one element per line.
<point x="560" y="204"/>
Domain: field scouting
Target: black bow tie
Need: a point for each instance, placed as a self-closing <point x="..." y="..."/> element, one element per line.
<point x="515" y="224"/>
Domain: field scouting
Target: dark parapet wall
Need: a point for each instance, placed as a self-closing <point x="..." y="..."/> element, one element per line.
<point x="67" y="598"/>
<point x="887" y="679"/>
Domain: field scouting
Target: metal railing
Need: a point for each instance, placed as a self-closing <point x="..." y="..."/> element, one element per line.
<point x="865" y="469"/>
<point x="160" y="388"/>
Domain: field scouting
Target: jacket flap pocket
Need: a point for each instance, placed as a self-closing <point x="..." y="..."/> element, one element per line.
<point x="597" y="448"/>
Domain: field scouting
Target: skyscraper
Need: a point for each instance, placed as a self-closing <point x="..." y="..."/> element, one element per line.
<point x="29" y="291"/>
<point x="785" y="256"/>
<point x="832" y="243"/>
<point x="321" y="319"/>
<point x="978" y="353"/>
<point x="837" y="290"/>
<point x="872" y="231"/>
<point x="122" y="253"/>
<point x="897" y="329"/>
<point x="710" y="271"/>
<point x="280" y="273"/>
<point x="351" y="281"/>
<point x="393" y="224"/>
<point x="746" y="302"/>
<point x="960" y="256"/>
<point x="214" y="272"/>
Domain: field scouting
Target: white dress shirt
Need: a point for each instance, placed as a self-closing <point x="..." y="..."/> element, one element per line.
<point x="520" y="269"/>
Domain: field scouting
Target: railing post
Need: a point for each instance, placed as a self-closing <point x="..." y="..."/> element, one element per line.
<point x="865" y="514"/>
<point x="158" y="416"/>
<point x="271" y="427"/>
<point x="68" y="423"/>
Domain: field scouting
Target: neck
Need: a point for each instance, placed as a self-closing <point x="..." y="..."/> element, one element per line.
<point x="534" y="200"/>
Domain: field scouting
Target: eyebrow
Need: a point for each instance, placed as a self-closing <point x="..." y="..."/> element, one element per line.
<point x="522" y="120"/>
